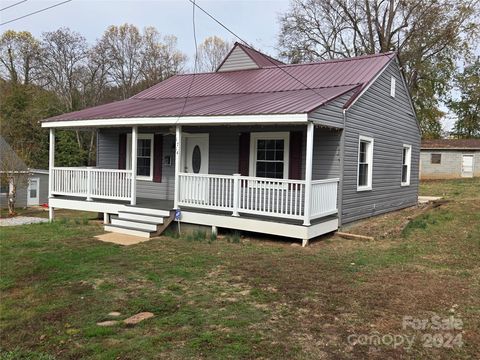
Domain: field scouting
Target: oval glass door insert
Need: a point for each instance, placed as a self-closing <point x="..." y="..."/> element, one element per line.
<point x="196" y="159"/>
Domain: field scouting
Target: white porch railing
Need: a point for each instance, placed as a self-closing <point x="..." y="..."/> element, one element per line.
<point x="324" y="198"/>
<point x="92" y="183"/>
<point x="252" y="195"/>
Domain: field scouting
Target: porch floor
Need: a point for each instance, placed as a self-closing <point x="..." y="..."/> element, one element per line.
<point x="141" y="202"/>
<point x="158" y="204"/>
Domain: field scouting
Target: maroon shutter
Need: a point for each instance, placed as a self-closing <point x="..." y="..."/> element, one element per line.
<point x="244" y="154"/>
<point x="295" y="171"/>
<point x="122" y="151"/>
<point x="157" y="157"/>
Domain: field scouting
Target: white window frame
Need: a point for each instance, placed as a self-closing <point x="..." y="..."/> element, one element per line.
<point x="281" y="135"/>
<point x="129" y="154"/>
<point x="409" y="164"/>
<point x="369" y="161"/>
<point x="37" y="179"/>
<point x="392" y="86"/>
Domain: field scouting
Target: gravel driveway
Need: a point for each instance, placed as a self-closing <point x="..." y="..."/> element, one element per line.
<point x="21" y="220"/>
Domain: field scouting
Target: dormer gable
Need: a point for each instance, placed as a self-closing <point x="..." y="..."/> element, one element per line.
<point x="242" y="57"/>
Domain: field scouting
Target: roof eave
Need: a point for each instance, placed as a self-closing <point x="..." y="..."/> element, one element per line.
<point x="294" y="118"/>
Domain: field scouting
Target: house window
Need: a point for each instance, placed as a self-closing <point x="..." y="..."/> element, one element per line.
<point x="392" y="86"/>
<point x="365" y="163"/>
<point x="436" y="159"/>
<point x="269" y="153"/>
<point x="4" y="187"/>
<point x="406" y="161"/>
<point x="144" y="156"/>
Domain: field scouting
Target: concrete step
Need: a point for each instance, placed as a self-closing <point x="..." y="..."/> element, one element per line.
<point x="128" y="230"/>
<point x="126" y="215"/>
<point x="136" y="224"/>
<point x="146" y="211"/>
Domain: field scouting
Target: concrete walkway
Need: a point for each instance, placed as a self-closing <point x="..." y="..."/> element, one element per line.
<point x="21" y="220"/>
<point x="121" y="239"/>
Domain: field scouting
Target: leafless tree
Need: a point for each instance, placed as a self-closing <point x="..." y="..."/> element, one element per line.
<point x="162" y="59"/>
<point x="429" y="36"/>
<point x="211" y="52"/>
<point x="63" y="55"/>
<point x="19" y="55"/>
<point x="122" y="47"/>
<point x="14" y="174"/>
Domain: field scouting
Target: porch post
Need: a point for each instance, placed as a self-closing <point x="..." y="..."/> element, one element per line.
<point x="133" y="200"/>
<point x="51" y="165"/>
<point x="178" y="157"/>
<point x="308" y="173"/>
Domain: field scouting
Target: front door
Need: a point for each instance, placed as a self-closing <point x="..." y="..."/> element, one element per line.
<point x="195" y="161"/>
<point x="196" y="153"/>
<point x="467" y="165"/>
<point x="32" y="192"/>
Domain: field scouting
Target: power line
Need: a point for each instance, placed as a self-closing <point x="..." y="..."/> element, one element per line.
<point x="246" y="43"/>
<point x="10" y="6"/>
<point x="35" y="12"/>
<point x="195" y="61"/>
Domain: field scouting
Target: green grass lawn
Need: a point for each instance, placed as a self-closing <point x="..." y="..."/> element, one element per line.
<point x="251" y="298"/>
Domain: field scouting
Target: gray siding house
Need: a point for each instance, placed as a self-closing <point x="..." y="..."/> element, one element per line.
<point x="31" y="194"/>
<point x="450" y="158"/>
<point x="258" y="145"/>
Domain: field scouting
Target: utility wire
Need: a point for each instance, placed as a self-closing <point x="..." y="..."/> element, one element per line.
<point x="246" y="43"/>
<point x="10" y="6"/>
<point x="35" y="12"/>
<point x="195" y="66"/>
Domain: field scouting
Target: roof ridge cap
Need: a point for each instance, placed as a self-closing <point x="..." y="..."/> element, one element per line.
<point x="361" y="57"/>
<point x="293" y="65"/>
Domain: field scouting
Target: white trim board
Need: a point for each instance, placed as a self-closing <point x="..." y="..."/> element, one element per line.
<point x="140" y="136"/>
<point x="261" y="226"/>
<point x="369" y="155"/>
<point x="281" y="135"/>
<point x="184" y="120"/>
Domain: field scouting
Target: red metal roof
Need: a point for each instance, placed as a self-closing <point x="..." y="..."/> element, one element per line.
<point x="278" y="89"/>
<point x="282" y="102"/>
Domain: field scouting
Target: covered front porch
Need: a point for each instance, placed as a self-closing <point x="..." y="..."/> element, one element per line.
<point x="285" y="174"/>
<point x="193" y="165"/>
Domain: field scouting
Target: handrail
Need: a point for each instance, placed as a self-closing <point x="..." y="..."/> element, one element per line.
<point x="273" y="197"/>
<point x="91" y="182"/>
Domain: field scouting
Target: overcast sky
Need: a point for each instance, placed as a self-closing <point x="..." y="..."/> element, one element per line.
<point x="253" y="20"/>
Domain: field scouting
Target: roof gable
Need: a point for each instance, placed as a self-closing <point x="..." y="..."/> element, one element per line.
<point x="242" y="57"/>
<point x="9" y="160"/>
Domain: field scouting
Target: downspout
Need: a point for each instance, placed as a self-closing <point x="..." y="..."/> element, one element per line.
<point x="342" y="155"/>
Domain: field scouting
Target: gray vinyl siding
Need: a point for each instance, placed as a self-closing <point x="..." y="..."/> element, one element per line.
<point x="450" y="166"/>
<point x="22" y="192"/>
<point x="391" y="123"/>
<point x="21" y="200"/>
<point x="43" y="187"/>
<point x="223" y="153"/>
<point x="107" y="158"/>
<point x="238" y="60"/>
<point x="326" y="154"/>
<point x="332" y="113"/>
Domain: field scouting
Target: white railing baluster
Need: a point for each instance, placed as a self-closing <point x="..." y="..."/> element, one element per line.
<point x="92" y="183"/>
<point x="262" y="196"/>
